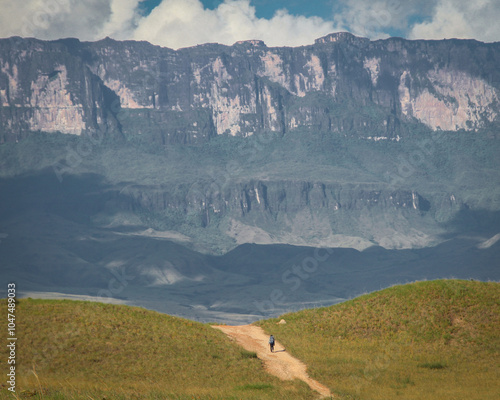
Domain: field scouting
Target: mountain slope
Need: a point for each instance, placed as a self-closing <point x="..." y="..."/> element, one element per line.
<point x="344" y="143"/>
<point x="53" y="249"/>
<point x="53" y="244"/>
<point x="82" y="350"/>
<point x="300" y="189"/>
<point x="432" y="340"/>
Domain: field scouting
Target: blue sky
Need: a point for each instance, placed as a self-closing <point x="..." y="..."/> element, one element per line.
<point x="267" y="8"/>
<point x="182" y="23"/>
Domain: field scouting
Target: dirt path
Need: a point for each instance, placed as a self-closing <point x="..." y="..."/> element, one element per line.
<point x="279" y="363"/>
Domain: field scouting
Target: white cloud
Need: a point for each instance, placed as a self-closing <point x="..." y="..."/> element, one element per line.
<point x="463" y="19"/>
<point x="122" y="19"/>
<point x="375" y="19"/>
<point x="52" y="19"/>
<point x="181" y="23"/>
<point x="477" y="19"/>
<point x="174" y="23"/>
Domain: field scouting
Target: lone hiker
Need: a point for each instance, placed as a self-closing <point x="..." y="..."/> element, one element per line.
<point x="271" y="343"/>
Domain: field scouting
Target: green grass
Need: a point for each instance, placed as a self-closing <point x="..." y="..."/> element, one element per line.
<point x="248" y="354"/>
<point x="256" y="386"/>
<point x="427" y="340"/>
<point x="93" y="350"/>
<point x="433" y="365"/>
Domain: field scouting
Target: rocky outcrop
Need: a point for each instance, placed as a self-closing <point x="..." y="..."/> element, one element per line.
<point x="297" y="212"/>
<point x="46" y="87"/>
<point x="273" y="198"/>
<point x="342" y="84"/>
<point x="458" y="100"/>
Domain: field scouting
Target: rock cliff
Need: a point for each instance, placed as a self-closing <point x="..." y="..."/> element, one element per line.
<point x="341" y="84"/>
<point x="46" y="86"/>
<point x="345" y="142"/>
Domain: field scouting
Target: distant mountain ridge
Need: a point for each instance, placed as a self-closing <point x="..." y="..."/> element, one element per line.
<point x="342" y="83"/>
<point x="347" y="135"/>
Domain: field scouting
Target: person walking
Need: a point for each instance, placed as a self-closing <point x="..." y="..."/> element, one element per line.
<point x="271" y="343"/>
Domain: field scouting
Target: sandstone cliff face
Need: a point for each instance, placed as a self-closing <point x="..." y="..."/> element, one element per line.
<point x="459" y="101"/>
<point x="44" y="87"/>
<point x="293" y="212"/>
<point x="341" y="84"/>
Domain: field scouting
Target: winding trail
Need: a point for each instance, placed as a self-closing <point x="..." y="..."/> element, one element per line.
<point x="279" y="363"/>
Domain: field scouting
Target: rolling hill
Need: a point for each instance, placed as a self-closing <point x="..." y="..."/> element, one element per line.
<point x="426" y="340"/>
<point x="432" y="340"/>
<point x="72" y="349"/>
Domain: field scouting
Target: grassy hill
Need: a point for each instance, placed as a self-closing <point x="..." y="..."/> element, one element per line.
<point x="427" y="340"/>
<point x="83" y="350"/>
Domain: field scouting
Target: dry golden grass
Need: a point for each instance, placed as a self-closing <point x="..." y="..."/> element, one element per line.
<point x="73" y="350"/>
<point x="428" y="340"/>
